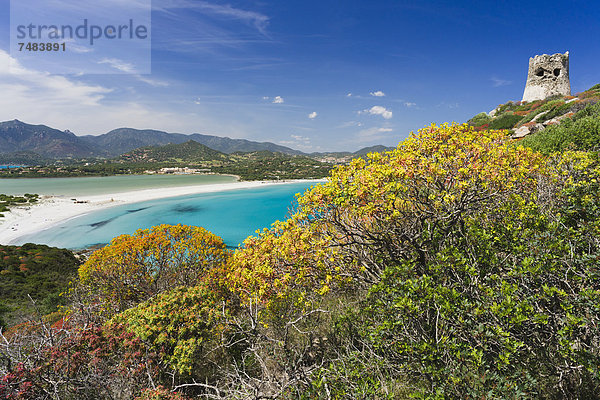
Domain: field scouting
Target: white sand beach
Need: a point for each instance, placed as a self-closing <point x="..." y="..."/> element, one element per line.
<point x="51" y="210"/>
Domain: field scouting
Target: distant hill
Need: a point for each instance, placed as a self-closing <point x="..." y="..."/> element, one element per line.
<point x="25" y="143"/>
<point x="17" y="136"/>
<point x="35" y="143"/>
<point x="227" y="145"/>
<point x="190" y="151"/>
<point x="255" y="165"/>
<point x="23" y="158"/>
<point x="373" y="149"/>
<point x="122" y="140"/>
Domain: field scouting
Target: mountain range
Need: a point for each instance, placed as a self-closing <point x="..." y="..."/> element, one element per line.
<point x="47" y="142"/>
<point x="22" y="141"/>
<point x="190" y="151"/>
<point x="122" y="140"/>
<point x="18" y="137"/>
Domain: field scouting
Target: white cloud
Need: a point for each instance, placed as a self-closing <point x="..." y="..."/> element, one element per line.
<point x="128" y="68"/>
<point x="378" y="110"/>
<point x="61" y="102"/>
<point x="448" y="105"/>
<point x="266" y="98"/>
<point x="312" y="115"/>
<point x="19" y="80"/>
<point x="278" y="100"/>
<point x="349" y="95"/>
<point x="497" y="82"/>
<point x="349" y="123"/>
<point x="298" y="142"/>
<point x="371" y="134"/>
<point x="259" y="21"/>
<point x="409" y="104"/>
<point x="119" y="65"/>
<point x="76" y="47"/>
<point x="373" y="131"/>
<point x="378" y="93"/>
<point x="300" y="138"/>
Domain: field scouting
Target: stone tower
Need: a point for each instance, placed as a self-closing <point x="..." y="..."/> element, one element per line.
<point x="548" y="75"/>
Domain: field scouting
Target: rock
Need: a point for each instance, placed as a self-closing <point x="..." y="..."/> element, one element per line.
<point x="527" y="129"/>
<point x="556" y="120"/>
<point x="539" y="116"/>
<point x="521" y="132"/>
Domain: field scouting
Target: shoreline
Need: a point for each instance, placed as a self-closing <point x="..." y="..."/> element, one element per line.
<point x="53" y="210"/>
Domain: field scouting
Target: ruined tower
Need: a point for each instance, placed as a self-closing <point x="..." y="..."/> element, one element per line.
<point x="548" y="75"/>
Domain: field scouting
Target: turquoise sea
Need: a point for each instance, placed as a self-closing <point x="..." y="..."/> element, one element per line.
<point x="232" y="214"/>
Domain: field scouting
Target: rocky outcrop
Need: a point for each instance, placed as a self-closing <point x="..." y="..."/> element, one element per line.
<point x="556" y="120"/>
<point x="527" y="129"/>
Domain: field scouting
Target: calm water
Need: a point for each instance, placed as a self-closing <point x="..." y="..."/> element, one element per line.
<point x="106" y="184"/>
<point x="233" y="215"/>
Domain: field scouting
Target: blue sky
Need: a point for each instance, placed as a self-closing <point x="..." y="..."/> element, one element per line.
<point x="312" y="75"/>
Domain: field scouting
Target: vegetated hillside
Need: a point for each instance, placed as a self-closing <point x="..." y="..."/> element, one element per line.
<point x="358" y="153"/>
<point x="17" y="136"/>
<point x="22" y="143"/>
<point x="459" y="265"/>
<point x="36" y="143"/>
<point x="524" y="118"/>
<point x="23" y="158"/>
<point x="188" y="152"/>
<point x="35" y="271"/>
<point x="228" y="145"/>
<point x="373" y="149"/>
<point x="579" y="132"/>
<point x="551" y="125"/>
<point x="123" y="140"/>
<point x="260" y="165"/>
<point x="267" y="165"/>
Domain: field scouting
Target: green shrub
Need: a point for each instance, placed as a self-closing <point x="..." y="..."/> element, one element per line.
<point x="582" y="132"/>
<point x="504" y="108"/>
<point x="482" y="276"/>
<point x="595" y="87"/>
<point x="38" y="271"/>
<point x="505" y="121"/>
<point x="479" y="119"/>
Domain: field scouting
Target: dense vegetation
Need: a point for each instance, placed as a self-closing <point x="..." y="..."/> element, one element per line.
<point x="457" y="266"/>
<point x="273" y="166"/>
<point x="547" y="112"/>
<point x="29" y="143"/>
<point x="33" y="276"/>
<point x="581" y="132"/>
<point x="188" y="152"/>
<point x="261" y="165"/>
<point x="7" y="201"/>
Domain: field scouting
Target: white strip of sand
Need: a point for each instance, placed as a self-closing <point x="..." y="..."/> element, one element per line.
<point x="25" y="220"/>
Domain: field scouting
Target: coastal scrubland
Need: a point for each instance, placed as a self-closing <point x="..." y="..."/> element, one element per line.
<point x="259" y="165"/>
<point x="32" y="278"/>
<point x="461" y="265"/>
<point x="7" y="201"/>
